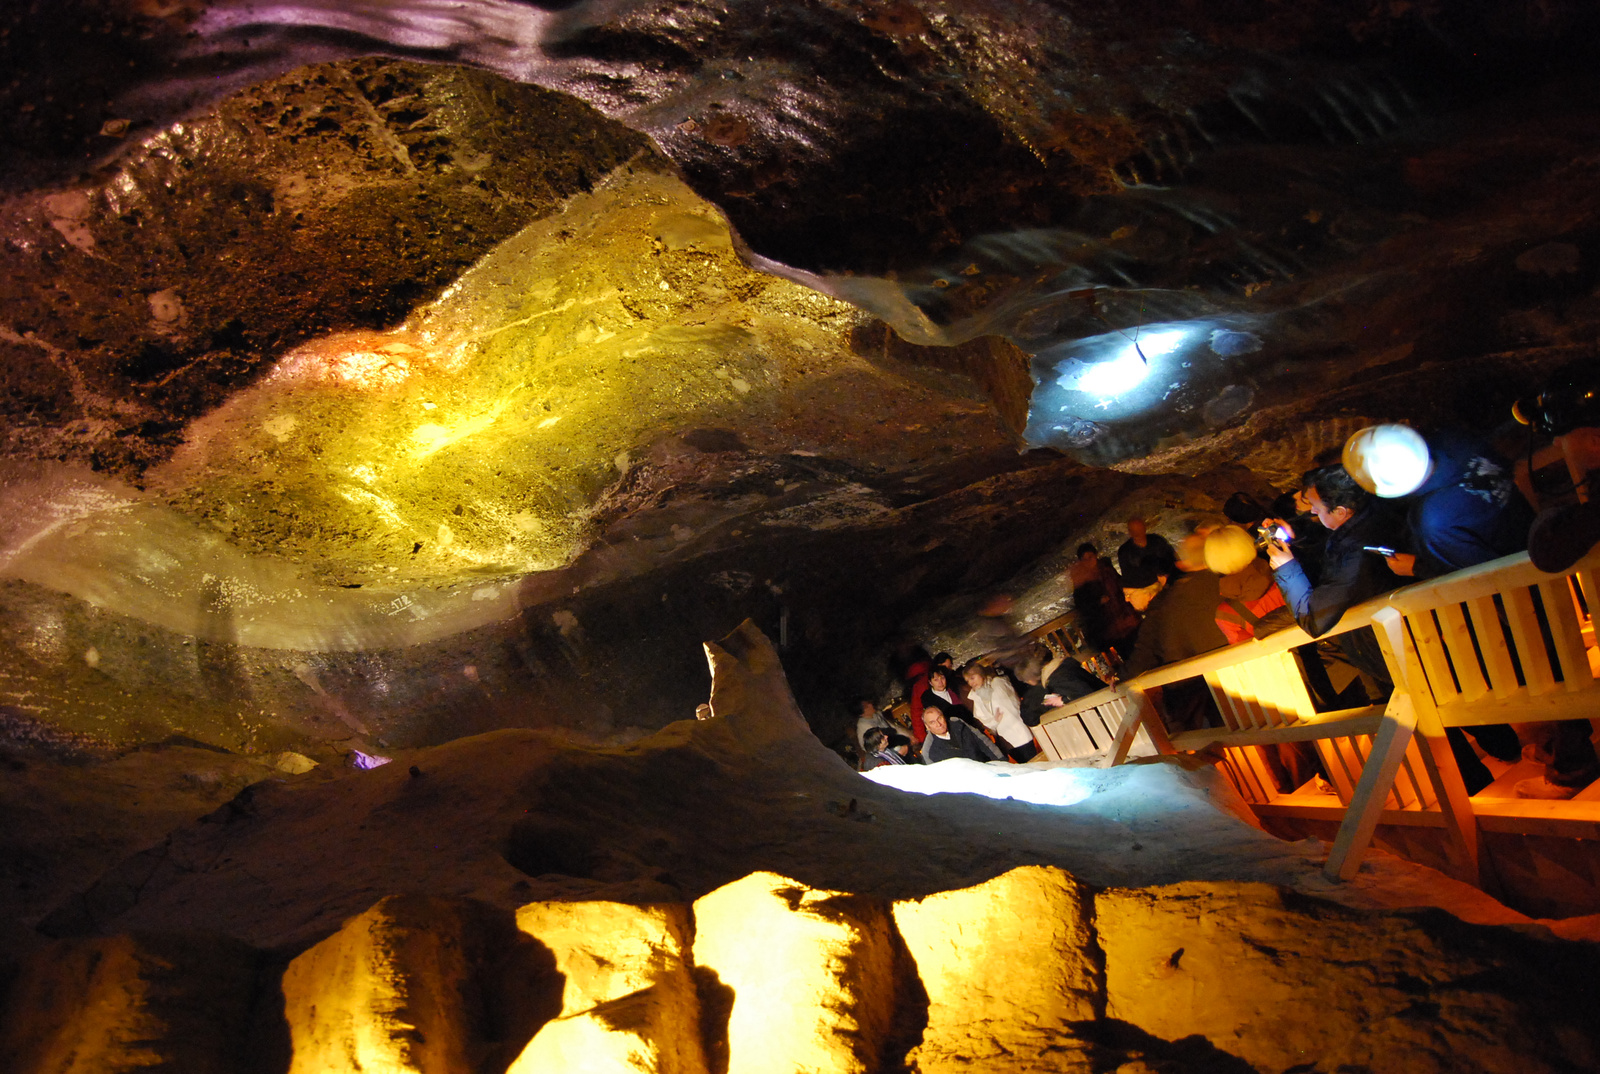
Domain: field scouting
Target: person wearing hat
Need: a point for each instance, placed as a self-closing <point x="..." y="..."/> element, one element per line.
<point x="1462" y="506"/>
<point x="1462" y="509"/>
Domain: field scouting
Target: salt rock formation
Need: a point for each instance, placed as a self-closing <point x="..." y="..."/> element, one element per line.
<point x="1007" y="966"/>
<point x="1287" y="983"/>
<point x="812" y="975"/>
<point x="398" y="988"/>
<point x="106" y="1005"/>
<point x="628" y="1001"/>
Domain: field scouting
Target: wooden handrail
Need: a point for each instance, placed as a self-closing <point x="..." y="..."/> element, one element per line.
<point x="1463" y="585"/>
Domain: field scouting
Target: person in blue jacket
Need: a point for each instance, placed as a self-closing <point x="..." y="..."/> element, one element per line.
<point x="1462" y="506"/>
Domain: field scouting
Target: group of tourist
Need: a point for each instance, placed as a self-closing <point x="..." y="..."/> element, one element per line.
<point x="1397" y="505"/>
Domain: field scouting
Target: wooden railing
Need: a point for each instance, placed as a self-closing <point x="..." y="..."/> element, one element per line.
<point x="1500" y="643"/>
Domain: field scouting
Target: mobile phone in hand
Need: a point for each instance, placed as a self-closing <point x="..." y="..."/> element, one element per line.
<point x="1378" y="548"/>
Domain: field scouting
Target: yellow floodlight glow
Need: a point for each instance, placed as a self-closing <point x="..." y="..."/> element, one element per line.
<point x="498" y="410"/>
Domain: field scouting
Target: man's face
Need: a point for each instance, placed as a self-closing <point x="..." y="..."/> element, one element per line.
<point x="935" y="722"/>
<point x="868" y="710"/>
<point x="1136" y="530"/>
<point x="1332" y="519"/>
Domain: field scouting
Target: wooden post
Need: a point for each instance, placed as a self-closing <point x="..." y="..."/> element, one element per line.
<point x="1144" y="715"/>
<point x="1377" y="776"/>
<point x="1405" y="668"/>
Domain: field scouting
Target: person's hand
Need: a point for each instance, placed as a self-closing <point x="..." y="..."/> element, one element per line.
<point x="1278" y="553"/>
<point x="1275" y="524"/>
<point x="1402" y="563"/>
<point x="1053" y="701"/>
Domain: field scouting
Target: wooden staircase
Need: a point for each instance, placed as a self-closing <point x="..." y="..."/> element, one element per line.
<point x="1499" y="643"/>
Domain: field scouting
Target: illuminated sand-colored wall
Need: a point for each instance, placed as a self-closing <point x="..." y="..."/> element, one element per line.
<point x="1027" y="972"/>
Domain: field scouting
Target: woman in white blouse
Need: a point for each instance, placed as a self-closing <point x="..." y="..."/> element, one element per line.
<point x="995" y="704"/>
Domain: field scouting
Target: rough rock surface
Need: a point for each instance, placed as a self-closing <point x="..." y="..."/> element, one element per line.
<point x="119" y="1004"/>
<point x="1008" y="967"/>
<point x="811" y="975"/>
<point x="409" y="985"/>
<point x="628" y="1001"/>
<point x="875" y="939"/>
<point x="1292" y="984"/>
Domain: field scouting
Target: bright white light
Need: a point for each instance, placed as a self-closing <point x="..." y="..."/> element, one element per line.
<point x="1128" y="369"/>
<point x="1025" y="783"/>
<point x="1390" y="460"/>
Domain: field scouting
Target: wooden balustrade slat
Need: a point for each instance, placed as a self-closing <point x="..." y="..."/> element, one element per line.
<point x="1463" y="652"/>
<point x="1296" y="684"/>
<point x="1252" y="785"/>
<point x="1248" y="777"/>
<point x="1586" y="582"/>
<point x="1236" y="680"/>
<point x="1294" y="702"/>
<point x="1253" y="676"/>
<point x="1366" y="808"/>
<point x="1414" y="793"/>
<point x="1492" y="644"/>
<point x="1430" y="647"/>
<point x="1525" y="634"/>
<point x="1568" y="636"/>
<point x="1336" y="761"/>
<point x="1268" y="692"/>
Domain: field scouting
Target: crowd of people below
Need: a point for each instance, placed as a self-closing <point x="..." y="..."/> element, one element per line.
<point x="1396" y="505"/>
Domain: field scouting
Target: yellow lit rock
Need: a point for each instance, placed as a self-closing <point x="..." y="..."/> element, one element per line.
<point x="1288" y="983"/>
<point x="119" y="1004"/>
<point x="502" y="407"/>
<point x="1007" y="966"/>
<point x="625" y="1036"/>
<point x="607" y="950"/>
<point x="810" y="972"/>
<point x="389" y="993"/>
<point x="628" y="1000"/>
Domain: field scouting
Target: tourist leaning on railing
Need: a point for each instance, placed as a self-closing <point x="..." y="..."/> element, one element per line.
<point x="1356" y="521"/>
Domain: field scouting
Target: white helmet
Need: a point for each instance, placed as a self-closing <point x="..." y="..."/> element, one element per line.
<point x="1389" y="460"/>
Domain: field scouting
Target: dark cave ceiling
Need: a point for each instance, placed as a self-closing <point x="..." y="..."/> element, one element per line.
<point x="348" y="328"/>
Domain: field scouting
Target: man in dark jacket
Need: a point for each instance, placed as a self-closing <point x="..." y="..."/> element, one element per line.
<point x="1462" y="507"/>
<point x="947" y="740"/>
<point x="1182" y="621"/>
<point x="1144" y="557"/>
<point x="1357" y="520"/>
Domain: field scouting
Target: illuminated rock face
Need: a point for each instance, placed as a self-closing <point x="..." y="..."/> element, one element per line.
<point x="811" y="975"/>
<point x="940" y="945"/>
<point x="475" y="439"/>
<point x="413" y="984"/>
<point x="119" y="1004"/>
<point x="627" y="1002"/>
<point x="1285" y="984"/>
<point x="1009" y="966"/>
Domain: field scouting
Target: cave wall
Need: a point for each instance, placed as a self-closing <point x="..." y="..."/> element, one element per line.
<point x="294" y="304"/>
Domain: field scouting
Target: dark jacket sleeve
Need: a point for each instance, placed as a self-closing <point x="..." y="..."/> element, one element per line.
<point x="1348" y="580"/>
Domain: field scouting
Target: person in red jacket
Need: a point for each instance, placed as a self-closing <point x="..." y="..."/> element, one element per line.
<point x="1252" y="605"/>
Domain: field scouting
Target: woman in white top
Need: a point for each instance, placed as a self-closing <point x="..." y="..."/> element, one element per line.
<point x="997" y="708"/>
